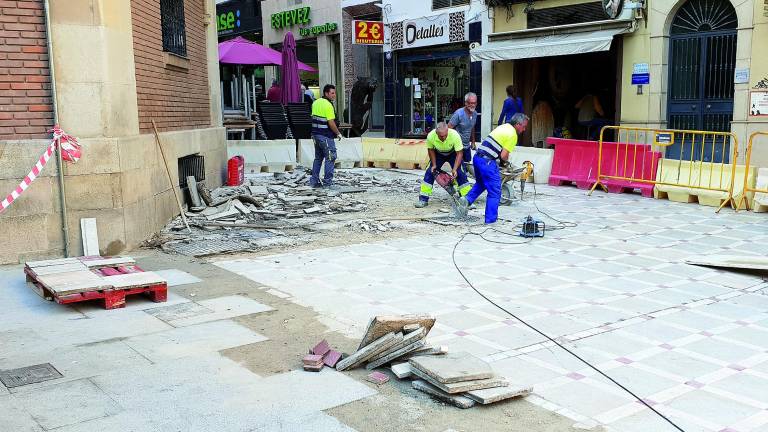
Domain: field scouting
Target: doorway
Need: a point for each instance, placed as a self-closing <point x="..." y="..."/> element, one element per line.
<point x="702" y="62"/>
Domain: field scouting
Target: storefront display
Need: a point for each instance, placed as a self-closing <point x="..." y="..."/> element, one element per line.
<point x="430" y="81"/>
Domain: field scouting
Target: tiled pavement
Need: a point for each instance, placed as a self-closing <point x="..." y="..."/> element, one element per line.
<point x="691" y="341"/>
<point x="151" y="367"/>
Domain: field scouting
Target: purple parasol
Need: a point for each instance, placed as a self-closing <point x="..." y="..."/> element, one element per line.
<point x="244" y="52"/>
<point x="290" y="92"/>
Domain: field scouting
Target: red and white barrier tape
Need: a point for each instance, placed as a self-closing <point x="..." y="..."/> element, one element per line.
<point x="70" y="151"/>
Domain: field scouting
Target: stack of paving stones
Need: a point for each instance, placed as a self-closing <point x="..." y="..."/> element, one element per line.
<point x="319" y="356"/>
<point x="459" y="379"/>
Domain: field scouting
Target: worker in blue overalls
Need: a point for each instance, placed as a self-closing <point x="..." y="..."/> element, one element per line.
<point x="495" y="147"/>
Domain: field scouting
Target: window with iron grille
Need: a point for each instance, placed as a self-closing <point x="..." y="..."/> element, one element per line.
<point x="562" y="15"/>
<point x="174" y="27"/>
<point x="442" y="4"/>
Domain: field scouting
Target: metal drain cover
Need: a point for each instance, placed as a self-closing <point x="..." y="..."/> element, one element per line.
<point x="28" y="375"/>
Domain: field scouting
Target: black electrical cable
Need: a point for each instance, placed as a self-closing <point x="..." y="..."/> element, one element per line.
<point x="562" y="224"/>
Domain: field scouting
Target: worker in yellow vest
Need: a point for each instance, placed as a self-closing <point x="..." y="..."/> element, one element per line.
<point x="495" y="147"/>
<point x="443" y="145"/>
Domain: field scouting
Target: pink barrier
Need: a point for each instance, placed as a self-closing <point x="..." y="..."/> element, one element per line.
<point x="636" y="161"/>
<point x="575" y="161"/>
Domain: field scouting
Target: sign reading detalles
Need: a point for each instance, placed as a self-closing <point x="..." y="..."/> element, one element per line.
<point x="427" y="31"/>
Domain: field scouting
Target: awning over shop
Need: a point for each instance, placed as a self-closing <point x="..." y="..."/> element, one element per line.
<point x="537" y="43"/>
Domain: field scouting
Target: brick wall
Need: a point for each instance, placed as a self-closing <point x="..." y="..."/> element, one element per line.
<point x="25" y="96"/>
<point x="175" y="98"/>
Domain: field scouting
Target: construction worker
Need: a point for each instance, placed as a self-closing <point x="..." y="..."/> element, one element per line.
<point x="463" y="121"/>
<point x="497" y="146"/>
<point x="443" y="145"/>
<point x="324" y="131"/>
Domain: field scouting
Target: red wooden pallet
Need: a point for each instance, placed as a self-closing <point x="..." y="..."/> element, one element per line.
<point x="73" y="280"/>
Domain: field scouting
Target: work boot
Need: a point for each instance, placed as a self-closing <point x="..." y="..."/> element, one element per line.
<point x="421" y="204"/>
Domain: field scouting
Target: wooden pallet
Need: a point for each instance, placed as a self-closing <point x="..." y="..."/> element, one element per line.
<point x="111" y="279"/>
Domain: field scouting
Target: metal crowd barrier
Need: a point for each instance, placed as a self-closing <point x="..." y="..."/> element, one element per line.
<point x="668" y="161"/>
<point x="744" y="199"/>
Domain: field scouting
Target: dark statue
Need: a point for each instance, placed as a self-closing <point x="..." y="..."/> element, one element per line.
<point x="360" y="102"/>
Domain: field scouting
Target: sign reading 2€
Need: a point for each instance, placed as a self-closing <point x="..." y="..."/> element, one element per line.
<point x="368" y="33"/>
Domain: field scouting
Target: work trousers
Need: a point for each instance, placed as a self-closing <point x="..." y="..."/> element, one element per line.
<point x="325" y="149"/>
<point x="429" y="178"/>
<point x="487" y="177"/>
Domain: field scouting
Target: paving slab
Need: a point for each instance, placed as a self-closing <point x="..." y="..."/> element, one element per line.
<point x="464" y="386"/>
<point x="191" y="340"/>
<point x="395" y="355"/>
<point x="408" y="339"/>
<point x="452" y="367"/>
<point x="176" y="277"/>
<point x="496" y="394"/>
<point x="401" y="370"/>
<point x="13" y="416"/>
<point x="222" y="308"/>
<point x="455" y="400"/>
<point x="68" y="403"/>
<point x="369" y="351"/>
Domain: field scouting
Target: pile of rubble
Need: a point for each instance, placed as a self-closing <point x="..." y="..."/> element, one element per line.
<point x="241" y="218"/>
<point x="456" y="378"/>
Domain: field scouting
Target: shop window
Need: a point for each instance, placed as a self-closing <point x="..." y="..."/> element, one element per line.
<point x="174" y="27"/>
<point x="442" y="4"/>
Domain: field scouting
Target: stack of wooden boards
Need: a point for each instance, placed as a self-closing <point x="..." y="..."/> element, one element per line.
<point x="70" y="280"/>
<point x="456" y="378"/>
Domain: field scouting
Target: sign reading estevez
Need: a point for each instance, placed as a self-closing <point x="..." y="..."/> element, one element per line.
<point x="290" y="17"/>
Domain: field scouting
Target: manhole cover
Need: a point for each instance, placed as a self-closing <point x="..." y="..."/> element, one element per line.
<point x="28" y="375"/>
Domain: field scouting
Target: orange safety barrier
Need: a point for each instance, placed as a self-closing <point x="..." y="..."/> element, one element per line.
<point x="640" y="158"/>
<point x="744" y="199"/>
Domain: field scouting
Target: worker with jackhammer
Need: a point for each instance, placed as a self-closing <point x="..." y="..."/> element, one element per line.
<point x="494" y="149"/>
<point x="443" y="145"/>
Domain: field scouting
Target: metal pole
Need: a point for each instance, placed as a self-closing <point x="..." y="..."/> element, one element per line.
<point x="59" y="162"/>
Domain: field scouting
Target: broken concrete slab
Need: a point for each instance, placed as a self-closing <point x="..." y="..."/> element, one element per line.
<point x="410" y="328"/>
<point x="464" y="386"/>
<point x="401" y="370"/>
<point x="731" y="262"/>
<point x="241" y="207"/>
<point x="383" y="324"/>
<point x="193" y="194"/>
<point x="408" y="339"/>
<point x="377" y="378"/>
<point x="369" y="351"/>
<point x="258" y="190"/>
<point x="453" y="367"/>
<point x="455" y="400"/>
<point x="395" y="355"/>
<point x="496" y="394"/>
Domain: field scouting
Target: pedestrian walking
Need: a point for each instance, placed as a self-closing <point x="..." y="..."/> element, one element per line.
<point x="513" y="104"/>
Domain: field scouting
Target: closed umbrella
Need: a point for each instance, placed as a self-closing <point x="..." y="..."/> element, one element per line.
<point x="291" y="85"/>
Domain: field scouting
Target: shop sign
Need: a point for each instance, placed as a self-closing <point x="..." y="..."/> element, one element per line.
<point x="368" y="32"/>
<point x="741" y="76"/>
<point x="316" y="30"/>
<point x="641" y="74"/>
<point x="758" y="103"/>
<point x="237" y="17"/>
<point x="285" y="19"/>
<point x="426" y="31"/>
<point x="664" y="138"/>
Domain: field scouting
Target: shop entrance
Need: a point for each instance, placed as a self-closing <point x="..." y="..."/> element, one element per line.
<point x="702" y="61"/>
<point x="434" y="87"/>
<point x="569" y="96"/>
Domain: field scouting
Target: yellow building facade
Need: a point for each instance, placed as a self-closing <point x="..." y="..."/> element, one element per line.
<point x="704" y="64"/>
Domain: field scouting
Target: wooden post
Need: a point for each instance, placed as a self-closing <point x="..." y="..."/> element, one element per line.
<point x="170" y="180"/>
